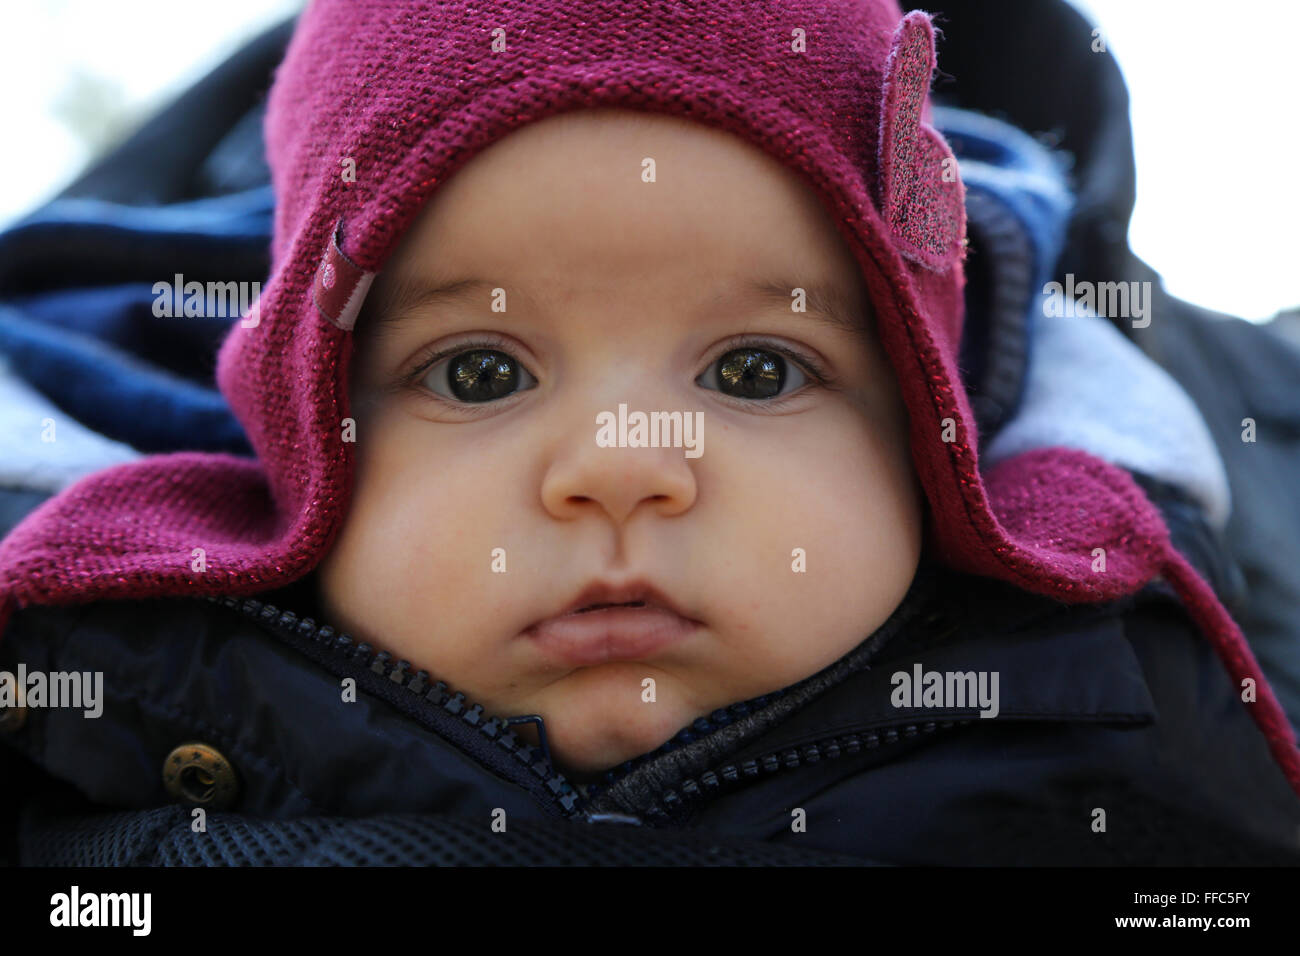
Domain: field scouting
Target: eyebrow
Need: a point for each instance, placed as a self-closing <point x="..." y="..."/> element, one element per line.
<point x="826" y="303"/>
<point x="409" y="296"/>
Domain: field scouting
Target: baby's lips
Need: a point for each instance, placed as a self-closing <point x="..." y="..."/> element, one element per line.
<point x="636" y="590"/>
<point x="617" y="633"/>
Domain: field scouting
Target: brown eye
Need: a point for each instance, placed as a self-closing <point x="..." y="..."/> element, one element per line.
<point x="752" y="373"/>
<point x="478" y="375"/>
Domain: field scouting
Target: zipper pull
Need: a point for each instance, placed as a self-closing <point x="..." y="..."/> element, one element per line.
<point x="619" y="818"/>
<point x="541" y="732"/>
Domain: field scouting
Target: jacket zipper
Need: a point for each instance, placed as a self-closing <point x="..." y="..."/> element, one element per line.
<point x="694" y="792"/>
<point x="432" y="703"/>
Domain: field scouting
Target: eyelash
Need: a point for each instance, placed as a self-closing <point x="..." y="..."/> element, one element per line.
<point x="430" y="357"/>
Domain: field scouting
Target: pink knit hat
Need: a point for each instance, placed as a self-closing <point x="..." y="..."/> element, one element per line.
<point x="407" y="92"/>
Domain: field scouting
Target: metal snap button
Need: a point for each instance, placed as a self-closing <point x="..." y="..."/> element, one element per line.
<point x="200" y="775"/>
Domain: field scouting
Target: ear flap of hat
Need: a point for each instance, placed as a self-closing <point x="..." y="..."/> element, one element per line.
<point x="919" y="189"/>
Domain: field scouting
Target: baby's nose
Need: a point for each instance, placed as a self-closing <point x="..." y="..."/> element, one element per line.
<point x="624" y="459"/>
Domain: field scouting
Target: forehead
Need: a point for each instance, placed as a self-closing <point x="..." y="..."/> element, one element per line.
<point x="629" y="200"/>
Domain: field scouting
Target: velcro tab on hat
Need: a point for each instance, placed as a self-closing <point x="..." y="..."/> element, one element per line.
<point x="921" y="194"/>
<point x="341" y="285"/>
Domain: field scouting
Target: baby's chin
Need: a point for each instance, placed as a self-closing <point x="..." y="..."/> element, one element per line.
<point x="596" y="721"/>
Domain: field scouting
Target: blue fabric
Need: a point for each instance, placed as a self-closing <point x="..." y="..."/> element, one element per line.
<point x="1030" y="179"/>
<point x="1019" y="204"/>
<point x="77" y="320"/>
<point x="115" y="393"/>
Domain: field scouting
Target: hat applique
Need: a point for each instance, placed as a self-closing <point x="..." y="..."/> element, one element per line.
<point x="341" y="285"/>
<point x="919" y="189"/>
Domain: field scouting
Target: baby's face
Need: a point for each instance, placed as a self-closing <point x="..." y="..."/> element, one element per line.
<point x="485" y="505"/>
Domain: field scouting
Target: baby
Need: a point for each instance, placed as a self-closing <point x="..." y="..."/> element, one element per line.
<point x="822" y="621"/>
<point x="546" y="283"/>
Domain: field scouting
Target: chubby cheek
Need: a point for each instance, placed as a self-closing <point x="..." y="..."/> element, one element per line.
<point x="412" y="569"/>
<point x="824" y="541"/>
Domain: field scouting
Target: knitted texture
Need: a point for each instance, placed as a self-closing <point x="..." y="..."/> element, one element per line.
<point x="408" y="92"/>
